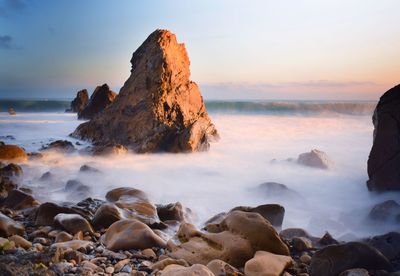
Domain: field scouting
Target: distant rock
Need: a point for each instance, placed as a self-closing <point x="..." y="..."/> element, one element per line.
<point x="384" y="158"/>
<point x="88" y="169"/>
<point x="12" y="170"/>
<point x="62" y="146"/>
<point x="99" y="100"/>
<point x="73" y="223"/>
<point x="388" y="211"/>
<point x="158" y="108"/>
<point x="11" y="111"/>
<point x="12" y="153"/>
<point x="80" y="102"/>
<point x="315" y="158"/>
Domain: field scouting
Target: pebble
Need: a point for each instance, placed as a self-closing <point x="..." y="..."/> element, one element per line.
<point x="149" y="253"/>
<point x="20" y="242"/>
<point x="305" y="258"/>
<point x="120" y="265"/>
<point x="110" y="270"/>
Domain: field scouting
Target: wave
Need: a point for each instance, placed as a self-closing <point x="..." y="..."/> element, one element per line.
<point x="231" y="107"/>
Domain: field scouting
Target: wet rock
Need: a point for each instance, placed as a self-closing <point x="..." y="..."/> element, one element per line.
<point x="18" y="200"/>
<point x="173" y="211"/>
<point x="265" y="263"/>
<point x="194" y="270"/>
<point x="106" y="215"/>
<point x="80" y="102"/>
<point x="149" y="253"/>
<point x="274" y="189"/>
<point x="74" y="245"/>
<point x="20" y="242"/>
<point x="326" y="239"/>
<point x="240" y="235"/>
<point x="131" y="234"/>
<point x="62" y="146"/>
<point x="101" y="98"/>
<point x="290" y="233"/>
<point x="160" y="265"/>
<point x="63" y="237"/>
<point x="315" y="158"/>
<point x="72" y="223"/>
<point x="274" y="213"/>
<point x="12" y="153"/>
<point x="47" y="176"/>
<point x="46" y="212"/>
<point x="384" y="158"/>
<point x="9" y="227"/>
<point x="221" y="268"/>
<point x="12" y="171"/>
<point x="87" y="168"/>
<point x="385" y="211"/>
<point x="301" y="244"/>
<point x="6" y="186"/>
<point x="333" y="260"/>
<point x="108" y="149"/>
<point x="76" y="186"/>
<point x="355" y="272"/>
<point x="158" y="108"/>
<point x="388" y="245"/>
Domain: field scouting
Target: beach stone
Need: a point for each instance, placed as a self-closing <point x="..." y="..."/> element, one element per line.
<point x="46" y="212"/>
<point x="6" y="186"/>
<point x="107" y="214"/>
<point x="290" y="233"/>
<point x="389" y="245"/>
<point x="334" y="259"/>
<point x="305" y="259"/>
<point x="18" y="200"/>
<point x="87" y="168"/>
<point x="385" y="211"/>
<point x="74" y="245"/>
<point x="240" y="235"/>
<point x="109" y="270"/>
<point x="194" y="270"/>
<point x="355" y="272"/>
<point x="20" y="241"/>
<point x="62" y="146"/>
<point x="80" y="102"/>
<point x="130" y="234"/>
<point x="75" y="185"/>
<point x="173" y="211"/>
<point x="149" y="253"/>
<point x="222" y="268"/>
<point x="9" y="227"/>
<point x="108" y="149"/>
<point x="12" y="171"/>
<point x="267" y="264"/>
<point x="161" y="264"/>
<point x="158" y="108"/>
<point x="63" y="237"/>
<point x="72" y="223"/>
<point x="315" y="158"/>
<point x="384" y="158"/>
<point x="274" y="213"/>
<point x="101" y="98"/>
<point x="301" y="244"/>
<point x="12" y="153"/>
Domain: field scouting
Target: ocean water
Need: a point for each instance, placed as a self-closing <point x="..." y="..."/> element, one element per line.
<point x="257" y="138"/>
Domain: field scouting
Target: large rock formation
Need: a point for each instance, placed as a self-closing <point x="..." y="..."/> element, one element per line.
<point x="158" y="108"/>
<point x="384" y="159"/>
<point x="99" y="100"/>
<point x="80" y="102"/>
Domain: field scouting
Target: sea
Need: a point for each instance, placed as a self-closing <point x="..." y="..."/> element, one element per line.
<point x="259" y="141"/>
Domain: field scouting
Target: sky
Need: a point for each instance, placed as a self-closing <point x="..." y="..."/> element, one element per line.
<point x="303" y="49"/>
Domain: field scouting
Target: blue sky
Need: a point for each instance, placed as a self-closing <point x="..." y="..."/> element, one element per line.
<point x="305" y="49"/>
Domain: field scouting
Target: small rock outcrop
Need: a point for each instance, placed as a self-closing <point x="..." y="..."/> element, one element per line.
<point x="12" y="153"/>
<point x="80" y="102"/>
<point x="158" y="108"/>
<point x="315" y="158"/>
<point x="384" y="158"/>
<point x="99" y="100"/>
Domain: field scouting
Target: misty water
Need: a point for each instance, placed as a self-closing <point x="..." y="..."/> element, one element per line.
<point x="226" y="176"/>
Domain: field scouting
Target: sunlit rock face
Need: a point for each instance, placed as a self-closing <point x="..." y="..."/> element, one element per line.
<point x="158" y="108"/>
<point x="384" y="159"/>
<point x="101" y="98"/>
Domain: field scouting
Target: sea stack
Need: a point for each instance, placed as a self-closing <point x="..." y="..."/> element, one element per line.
<point x="159" y="108"/>
<point x="101" y="98"/>
<point x="80" y="102"/>
<point x="384" y="159"/>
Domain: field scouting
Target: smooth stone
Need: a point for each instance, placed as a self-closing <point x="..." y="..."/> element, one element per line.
<point x="109" y="270"/>
<point x="18" y="200"/>
<point x="106" y="215"/>
<point x="20" y="242"/>
<point x="267" y="264"/>
<point x="118" y="266"/>
<point x="6" y="186"/>
<point x="219" y="267"/>
<point x="315" y="158"/>
<point x="173" y="211"/>
<point x="74" y="245"/>
<point x="194" y="270"/>
<point x="62" y="146"/>
<point x="9" y="227"/>
<point x="46" y="212"/>
<point x="72" y="223"/>
<point x="385" y="211"/>
<point x="290" y="233"/>
<point x="12" y="153"/>
<point x="161" y="264"/>
<point x="274" y="213"/>
<point x="63" y="237"/>
<point x="301" y="244"/>
<point x="149" y="253"/>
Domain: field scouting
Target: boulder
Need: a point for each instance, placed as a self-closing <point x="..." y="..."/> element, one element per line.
<point x="20" y="242"/>
<point x="274" y="189"/>
<point x="62" y="146"/>
<point x="11" y="111"/>
<point x="72" y="223"/>
<point x="107" y="149"/>
<point x="9" y="227"/>
<point x="173" y="211"/>
<point x="12" y="171"/>
<point x="80" y="102"/>
<point x="6" y="186"/>
<point x="130" y="234"/>
<point x="47" y="176"/>
<point x="12" y="153"/>
<point x="267" y="264"/>
<point x="236" y="240"/>
<point x="101" y="98"/>
<point x="178" y="270"/>
<point x="18" y="200"/>
<point x="315" y="158"/>
<point x="158" y="108"/>
<point x="388" y="211"/>
<point x="88" y="169"/>
<point x="106" y="215"/>
<point x="46" y="212"/>
<point x="355" y="272"/>
<point x="384" y="158"/>
<point x="274" y="213"/>
<point x="219" y="267"/>
<point x="389" y="245"/>
<point x="334" y="259"/>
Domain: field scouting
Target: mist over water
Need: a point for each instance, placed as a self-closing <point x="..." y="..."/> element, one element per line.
<point x="228" y="174"/>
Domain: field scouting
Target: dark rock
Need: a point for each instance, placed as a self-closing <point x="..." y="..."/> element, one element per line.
<point x="315" y="158"/>
<point x="46" y="212"/>
<point x="389" y="246"/>
<point x="18" y="200"/>
<point x="89" y="205"/>
<point x="46" y="176"/>
<point x="173" y="211"/>
<point x="34" y="155"/>
<point x="87" y="168"/>
<point x="72" y="223"/>
<point x="385" y="211"/>
<point x="9" y="227"/>
<point x="384" y="158"/>
<point x="274" y="213"/>
<point x="106" y="215"/>
<point x="290" y="233"/>
<point x="75" y="185"/>
<point x="6" y="186"/>
<point x="80" y="102"/>
<point x="273" y="189"/>
<point x="99" y="100"/>
<point x="327" y="239"/>
<point x="63" y="146"/>
<point x="355" y="272"/>
<point x="158" y="108"/>
<point x="334" y="259"/>
<point x="12" y="153"/>
<point x="11" y="171"/>
<point x="11" y="111"/>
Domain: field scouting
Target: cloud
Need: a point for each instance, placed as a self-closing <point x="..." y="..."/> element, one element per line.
<point x="6" y="42"/>
<point x="9" y="6"/>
